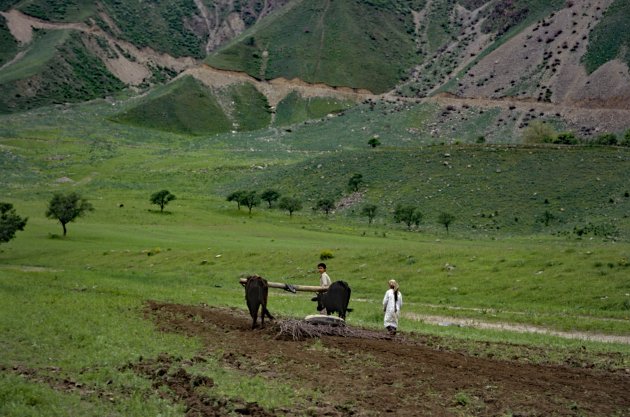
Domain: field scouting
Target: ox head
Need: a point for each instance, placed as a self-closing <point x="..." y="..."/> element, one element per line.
<point x="318" y="299"/>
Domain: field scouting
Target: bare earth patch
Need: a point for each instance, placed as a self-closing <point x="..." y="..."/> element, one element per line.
<point x="410" y="375"/>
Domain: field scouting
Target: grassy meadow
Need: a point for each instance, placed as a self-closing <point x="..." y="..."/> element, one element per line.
<point x="72" y="307"/>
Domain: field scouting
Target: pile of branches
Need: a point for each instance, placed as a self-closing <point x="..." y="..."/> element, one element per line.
<point x="298" y="330"/>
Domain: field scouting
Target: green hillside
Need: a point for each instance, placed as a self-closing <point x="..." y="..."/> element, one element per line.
<point x="55" y="10"/>
<point x="184" y="106"/>
<point x="8" y="44"/>
<point x="167" y="31"/>
<point x="610" y="38"/>
<point x="187" y="106"/>
<point x="491" y="189"/>
<point x="296" y="109"/>
<point x="57" y="68"/>
<point x="325" y="41"/>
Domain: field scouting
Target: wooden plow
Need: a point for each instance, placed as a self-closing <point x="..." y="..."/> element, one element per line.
<point x="289" y="287"/>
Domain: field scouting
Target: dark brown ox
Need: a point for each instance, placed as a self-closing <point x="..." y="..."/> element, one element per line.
<point x="256" y="290"/>
<point x="335" y="299"/>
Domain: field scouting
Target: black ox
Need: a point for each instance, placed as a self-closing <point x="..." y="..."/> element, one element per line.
<point x="335" y="300"/>
<point x="256" y="290"/>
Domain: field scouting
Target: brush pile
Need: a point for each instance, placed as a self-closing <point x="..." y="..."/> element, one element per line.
<point x="298" y="330"/>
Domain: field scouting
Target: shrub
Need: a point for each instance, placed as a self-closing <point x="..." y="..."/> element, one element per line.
<point x="609" y="139"/>
<point x="326" y="254"/>
<point x="539" y="132"/>
<point x="566" y="138"/>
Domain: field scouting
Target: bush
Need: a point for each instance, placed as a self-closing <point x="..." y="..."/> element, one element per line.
<point x="539" y="132"/>
<point x="326" y="254"/>
<point x="566" y="138"/>
<point x="609" y="139"/>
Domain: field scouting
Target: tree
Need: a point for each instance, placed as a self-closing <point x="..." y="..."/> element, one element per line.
<point x="162" y="198"/>
<point x="67" y="207"/>
<point x="626" y="139"/>
<point x="237" y="196"/>
<point x="446" y="219"/>
<point x="250" y="199"/>
<point x="10" y="222"/>
<point x="369" y="210"/>
<point x="326" y="205"/>
<point x="355" y="182"/>
<point x="546" y="218"/>
<point x="290" y="204"/>
<point x="374" y="142"/>
<point x="539" y="132"/>
<point x="408" y="215"/>
<point x="270" y="196"/>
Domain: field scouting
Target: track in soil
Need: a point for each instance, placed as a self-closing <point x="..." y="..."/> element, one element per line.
<point x="371" y="375"/>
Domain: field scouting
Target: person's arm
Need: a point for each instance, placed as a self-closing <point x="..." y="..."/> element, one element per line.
<point x="385" y="300"/>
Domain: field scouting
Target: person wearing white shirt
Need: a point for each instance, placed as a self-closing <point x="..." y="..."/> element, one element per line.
<point x="392" y="302"/>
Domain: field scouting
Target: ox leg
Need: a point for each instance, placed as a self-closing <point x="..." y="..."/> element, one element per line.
<point x="262" y="316"/>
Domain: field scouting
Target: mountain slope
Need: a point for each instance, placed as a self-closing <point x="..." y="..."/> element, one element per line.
<point x="530" y="53"/>
<point x="358" y="44"/>
<point x="139" y="44"/>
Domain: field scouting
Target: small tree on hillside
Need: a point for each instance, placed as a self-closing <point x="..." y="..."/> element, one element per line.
<point x="369" y="210"/>
<point x="355" y="182"/>
<point x="290" y="204"/>
<point x="237" y="196"/>
<point x="408" y="215"/>
<point x="546" y="218"/>
<point x="326" y="205"/>
<point x="250" y="200"/>
<point x="446" y="219"/>
<point x="270" y="196"/>
<point x="626" y="139"/>
<point x="10" y="222"/>
<point x="67" y="207"/>
<point x="374" y="142"/>
<point x="162" y="198"/>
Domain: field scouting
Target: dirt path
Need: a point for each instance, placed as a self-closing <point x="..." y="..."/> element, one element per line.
<point x="519" y="328"/>
<point x="407" y="376"/>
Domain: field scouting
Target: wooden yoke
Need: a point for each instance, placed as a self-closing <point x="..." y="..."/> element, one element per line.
<point x="287" y="287"/>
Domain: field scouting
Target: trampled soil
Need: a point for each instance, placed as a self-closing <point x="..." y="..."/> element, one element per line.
<point x="367" y="373"/>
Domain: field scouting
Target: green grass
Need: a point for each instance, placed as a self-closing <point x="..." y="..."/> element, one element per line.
<point x="52" y="10"/>
<point x="72" y="307"/>
<point x="184" y="106"/>
<point x="296" y="109"/>
<point x="251" y="109"/>
<point x="320" y="41"/>
<point x="609" y="40"/>
<point x="60" y="70"/>
<point x="166" y="33"/>
<point x="188" y="107"/>
<point x="38" y="55"/>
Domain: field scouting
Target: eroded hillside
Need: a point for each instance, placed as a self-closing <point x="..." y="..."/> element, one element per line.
<point x="528" y="59"/>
